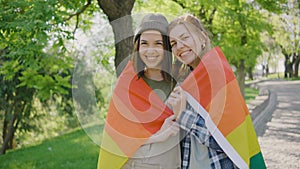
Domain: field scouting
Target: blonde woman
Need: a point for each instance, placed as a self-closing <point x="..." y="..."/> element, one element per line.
<point x="190" y="41"/>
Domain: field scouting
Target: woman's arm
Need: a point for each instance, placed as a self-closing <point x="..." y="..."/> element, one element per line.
<point x="177" y="101"/>
<point x="193" y="123"/>
<point x="189" y="120"/>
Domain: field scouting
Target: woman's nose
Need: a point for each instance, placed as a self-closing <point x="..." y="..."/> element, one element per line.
<point x="179" y="44"/>
<point x="150" y="50"/>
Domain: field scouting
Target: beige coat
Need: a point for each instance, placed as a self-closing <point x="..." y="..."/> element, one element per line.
<point x="162" y="155"/>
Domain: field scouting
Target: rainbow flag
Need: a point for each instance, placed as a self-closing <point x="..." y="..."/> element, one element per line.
<point x="135" y="113"/>
<point x="213" y="91"/>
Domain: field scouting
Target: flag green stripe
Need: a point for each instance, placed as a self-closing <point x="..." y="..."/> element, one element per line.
<point x="257" y="162"/>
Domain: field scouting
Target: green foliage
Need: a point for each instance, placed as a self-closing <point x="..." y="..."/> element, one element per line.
<point x="104" y="83"/>
<point x="42" y="124"/>
<point x="276" y="6"/>
<point x="238" y="27"/>
<point x="105" y="53"/>
<point x="167" y="7"/>
<point x="73" y="150"/>
<point x="24" y="26"/>
<point x="94" y="74"/>
<point x="33" y="60"/>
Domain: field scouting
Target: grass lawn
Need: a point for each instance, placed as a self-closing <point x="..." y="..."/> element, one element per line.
<point x="250" y="94"/>
<point x="74" y="150"/>
<point x="281" y="75"/>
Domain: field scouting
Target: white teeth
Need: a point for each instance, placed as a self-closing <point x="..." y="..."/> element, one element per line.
<point x="151" y="58"/>
<point x="184" y="53"/>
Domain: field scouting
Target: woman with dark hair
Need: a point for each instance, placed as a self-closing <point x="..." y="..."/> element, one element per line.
<point x="152" y="59"/>
<point x="140" y="132"/>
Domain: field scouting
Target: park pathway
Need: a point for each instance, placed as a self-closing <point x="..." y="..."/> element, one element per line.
<point x="278" y="129"/>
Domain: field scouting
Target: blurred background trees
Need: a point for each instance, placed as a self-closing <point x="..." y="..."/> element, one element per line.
<point x="51" y="49"/>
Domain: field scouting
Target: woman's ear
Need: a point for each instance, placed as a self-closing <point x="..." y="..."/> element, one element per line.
<point x="203" y="45"/>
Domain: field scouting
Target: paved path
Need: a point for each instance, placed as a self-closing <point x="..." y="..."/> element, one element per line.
<point x="279" y="129"/>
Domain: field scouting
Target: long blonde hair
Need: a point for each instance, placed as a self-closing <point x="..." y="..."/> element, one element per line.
<point x="197" y="30"/>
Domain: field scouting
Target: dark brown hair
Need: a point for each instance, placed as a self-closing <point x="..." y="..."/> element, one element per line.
<point x="139" y="65"/>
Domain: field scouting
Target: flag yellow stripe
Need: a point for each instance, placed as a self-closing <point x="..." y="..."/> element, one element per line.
<point x="111" y="156"/>
<point x="244" y="140"/>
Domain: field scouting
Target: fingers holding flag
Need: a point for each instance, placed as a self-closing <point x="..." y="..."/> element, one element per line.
<point x="177" y="100"/>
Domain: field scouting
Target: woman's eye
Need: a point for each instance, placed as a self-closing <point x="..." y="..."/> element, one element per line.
<point x="173" y="44"/>
<point x="185" y="37"/>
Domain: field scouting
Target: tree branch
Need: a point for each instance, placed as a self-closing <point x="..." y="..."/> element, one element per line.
<point x="89" y="2"/>
<point x="211" y="17"/>
<point x="76" y="25"/>
<point x="180" y="3"/>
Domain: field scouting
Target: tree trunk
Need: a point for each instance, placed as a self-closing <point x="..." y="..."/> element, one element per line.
<point x="4" y="130"/>
<point x="296" y="66"/>
<point x="6" y="126"/>
<point x="119" y="16"/>
<point x="241" y="67"/>
<point x="13" y="115"/>
<point x="241" y="76"/>
<point x="288" y="72"/>
<point x="250" y="73"/>
<point x="267" y="70"/>
<point x="8" y="136"/>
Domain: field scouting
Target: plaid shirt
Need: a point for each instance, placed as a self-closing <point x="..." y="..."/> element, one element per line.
<point x="193" y="125"/>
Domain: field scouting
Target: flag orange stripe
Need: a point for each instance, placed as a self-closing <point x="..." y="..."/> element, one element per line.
<point x="213" y="85"/>
<point x="234" y="107"/>
<point x="128" y="145"/>
<point x="216" y="85"/>
<point x="143" y="104"/>
<point x="124" y="126"/>
<point x="202" y="93"/>
<point x="212" y="74"/>
<point x="127" y="123"/>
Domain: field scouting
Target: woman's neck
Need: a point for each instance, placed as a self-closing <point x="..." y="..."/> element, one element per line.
<point x="195" y="63"/>
<point x="153" y="74"/>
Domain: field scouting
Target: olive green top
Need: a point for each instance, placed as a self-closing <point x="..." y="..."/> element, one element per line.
<point x="161" y="88"/>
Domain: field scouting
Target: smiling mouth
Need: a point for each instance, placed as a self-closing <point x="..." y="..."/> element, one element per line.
<point x="184" y="53"/>
<point x="151" y="58"/>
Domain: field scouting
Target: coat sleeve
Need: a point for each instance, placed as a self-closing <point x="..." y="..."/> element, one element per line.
<point x="194" y="124"/>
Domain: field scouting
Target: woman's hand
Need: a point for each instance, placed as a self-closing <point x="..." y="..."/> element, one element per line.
<point x="168" y="129"/>
<point x="177" y="100"/>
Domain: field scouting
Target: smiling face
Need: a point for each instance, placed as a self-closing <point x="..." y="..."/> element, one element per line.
<point x="151" y="49"/>
<point x="184" y="46"/>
